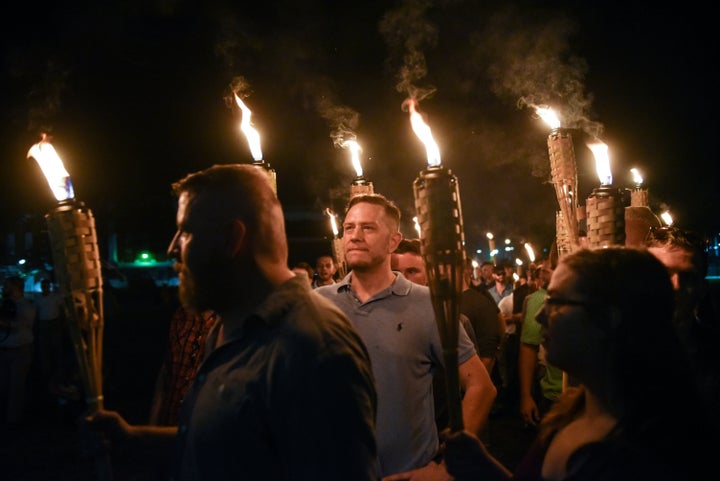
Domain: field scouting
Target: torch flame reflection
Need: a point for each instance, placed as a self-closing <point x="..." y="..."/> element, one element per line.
<point x="52" y="167"/>
<point x="602" y="162"/>
<point x="422" y="130"/>
<point x="253" y="137"/>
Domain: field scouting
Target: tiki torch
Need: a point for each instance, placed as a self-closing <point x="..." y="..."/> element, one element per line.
<point x="437" y="202"/>
<point x="639" y="219"/>
<point x="253" y="139"/>
<point x="337" y="245"/>
<point x="73" y="238"/>
<point x="563" y="170"/>
<point x="604" y="207"/>
<point x="360" y="185"/>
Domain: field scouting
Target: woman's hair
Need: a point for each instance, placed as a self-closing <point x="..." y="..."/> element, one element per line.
<point x="652" y="392"/>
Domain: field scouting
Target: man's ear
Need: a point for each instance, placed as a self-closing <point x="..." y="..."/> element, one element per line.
<point x="237" y="238"/>
<point x="395" y="239"/>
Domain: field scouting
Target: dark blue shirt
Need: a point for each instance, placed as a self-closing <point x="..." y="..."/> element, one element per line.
<point x="288" y="395"/>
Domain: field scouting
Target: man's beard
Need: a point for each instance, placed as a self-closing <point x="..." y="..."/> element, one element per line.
<point x="211" y="286"/>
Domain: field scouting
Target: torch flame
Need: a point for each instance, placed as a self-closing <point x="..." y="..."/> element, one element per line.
<point x="52" y="167"/>
<point x="422" y="130"/>
<point x="637" y="178"/>
<point x="549" y="116"/>
<point x="602" y="162"/>
<point x="667" y="218"/>
<point x="530" y="251"/>
<point x="355" y="150"/>
<point x="253" y="137"/>
<point x="333" y="222"/>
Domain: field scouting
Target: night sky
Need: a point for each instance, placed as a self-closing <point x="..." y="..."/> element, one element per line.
<point x="134" y="94"/>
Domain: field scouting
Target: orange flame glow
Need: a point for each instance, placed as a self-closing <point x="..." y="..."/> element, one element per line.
<point x="52" y="167"/>
<point x="422" y="130"/>
<point x="252" y="135"/>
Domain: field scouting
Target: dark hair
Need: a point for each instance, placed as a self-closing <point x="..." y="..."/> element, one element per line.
<point x="391" y="210"/>
<point x="412" y="246"/>
<point x="633" y="303"/>
<point x="241" y="191"/>
<point x="688" y="241"/>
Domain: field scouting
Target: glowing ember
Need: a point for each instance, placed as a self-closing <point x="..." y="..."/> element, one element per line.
<point x="422" y="130"/>
<point x="549" y="116"/>
<point x="602" y="162"/>
<point x="52" y="167"/>
<point x="355" y="150"/>
<point x="252" y="135"/>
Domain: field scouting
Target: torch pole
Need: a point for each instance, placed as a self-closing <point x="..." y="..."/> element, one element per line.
<point x="437" y="202"/>
<point x="71" y="228"/>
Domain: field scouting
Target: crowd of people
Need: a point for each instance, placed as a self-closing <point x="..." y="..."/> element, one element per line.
<point x="283" y="372"/>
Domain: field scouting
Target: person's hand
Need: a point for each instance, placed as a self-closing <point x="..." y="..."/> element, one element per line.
<point x="467" y="459"/>
<point x="529" y="411"/>
<point x="432" y="472"/>
<point x="110" y="424"/>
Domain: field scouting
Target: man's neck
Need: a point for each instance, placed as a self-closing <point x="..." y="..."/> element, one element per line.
<point x="366" y="284"/>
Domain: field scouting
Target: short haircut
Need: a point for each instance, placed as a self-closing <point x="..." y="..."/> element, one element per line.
<point x="675" y="238"/>
<point x="241" y="191"/>
<point x="391" y="210"/>
<point x="409" y="246"/>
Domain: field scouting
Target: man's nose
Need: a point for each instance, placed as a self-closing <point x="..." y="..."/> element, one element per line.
<point x="675" y="280"/>
<point x="173" y="250"/>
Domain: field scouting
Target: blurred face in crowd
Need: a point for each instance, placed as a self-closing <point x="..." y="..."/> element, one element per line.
<point x="545" y="272"/>
<point x="411" y="266"/>
<point x="325" y="268"/>
<point x="486" y="274"/>
<point x="369" y="236"/>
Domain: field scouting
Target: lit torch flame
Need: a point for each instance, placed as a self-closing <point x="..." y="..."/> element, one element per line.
<point x="52" y="167"/>
<point x="333" y="222"/>
<point x="422" y="130"/>
<point x="602" y="162"/>
<point x="355" y="150"/>
<point x="530" y="252"/>
<point x="253" y="137"/>
<point x="417" y="226"/>
<point x="549" y="117"/>
<point x="637" y="178"/>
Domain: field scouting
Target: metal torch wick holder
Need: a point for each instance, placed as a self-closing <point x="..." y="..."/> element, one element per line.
<point x="361" y="186"/>
<point x="437" y="202"/>
<point x="272" y="175"/>
<point x="73" y="237"/>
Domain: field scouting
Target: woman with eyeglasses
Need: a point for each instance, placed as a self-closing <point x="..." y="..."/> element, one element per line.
<point x="635" y="414"/>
